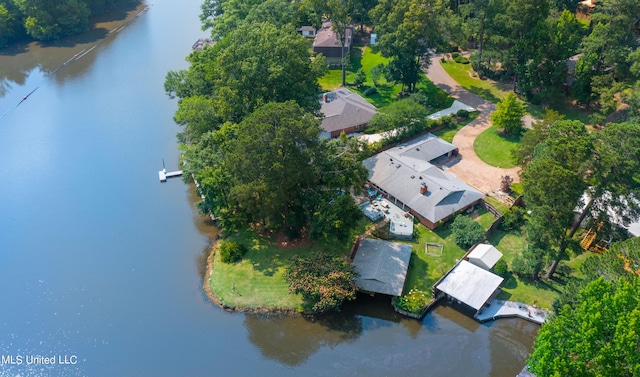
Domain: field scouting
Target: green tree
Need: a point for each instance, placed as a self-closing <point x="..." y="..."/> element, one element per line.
<point x="614" y="174"/>
<point x="409" y="31"/>
<point x="508" y="115"/>
<point x="598" y="336"/>
<point x="268" y="163"/>
<point x="52" y="20"/>
<point x="620" y="262"/>
<point x="255" y="64"/>
<point x="324" y="281"/>
<point x="377" y="72"/>
<point x="360" y="78"/>
<point x="466" y="232"/>
<point x="405" y="117"/>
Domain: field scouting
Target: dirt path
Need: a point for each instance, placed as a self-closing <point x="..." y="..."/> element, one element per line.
<point x="470" y="168"/>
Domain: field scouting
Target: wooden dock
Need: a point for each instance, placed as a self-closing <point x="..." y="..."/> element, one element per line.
<point x="164" y="174"/>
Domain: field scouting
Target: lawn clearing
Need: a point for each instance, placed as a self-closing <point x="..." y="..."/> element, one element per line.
<point x="466" y="77"/>
<point x="425" y="270"/>
<point x="495" y="149"/>
<point x="541" y="293"/>
<point x="257" y="281"/>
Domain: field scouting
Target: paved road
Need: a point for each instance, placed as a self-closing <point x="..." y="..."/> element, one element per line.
<point x="470" y="168"/>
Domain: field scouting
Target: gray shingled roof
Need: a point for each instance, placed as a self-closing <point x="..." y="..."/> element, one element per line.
<point x="345" y="109"/>
<point x="401" y="171"/>
<point x="382" y="266"/>
<point x="470" y="284"/>
<point x="326" y="37"/>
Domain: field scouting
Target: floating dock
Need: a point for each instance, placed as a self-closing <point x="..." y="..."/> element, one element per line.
<point x="164" y="174"/>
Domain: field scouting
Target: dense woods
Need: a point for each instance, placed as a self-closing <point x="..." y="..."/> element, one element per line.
<point x="46" y="20"/>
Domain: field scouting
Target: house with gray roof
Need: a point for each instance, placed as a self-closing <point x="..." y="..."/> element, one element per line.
<point x="326" y="42"/>
<point x="406" y="176"/>
<point x="382" y="266"/>
<point x="344" y="111"/>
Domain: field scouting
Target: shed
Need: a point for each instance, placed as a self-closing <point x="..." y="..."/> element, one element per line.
<point x="382" y="266"/>
<point x="470" y="284"/>
<point x="485" y="256"/>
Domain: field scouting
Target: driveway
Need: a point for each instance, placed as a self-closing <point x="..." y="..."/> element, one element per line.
<point x="470" y="168"/>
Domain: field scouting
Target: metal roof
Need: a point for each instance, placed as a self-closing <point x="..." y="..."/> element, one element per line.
<point x="470" y="284"/>
<point x="382" y="266"/>
<point x="485" y="256"/>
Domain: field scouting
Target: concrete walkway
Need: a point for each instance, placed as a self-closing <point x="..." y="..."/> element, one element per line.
<point x="470" y="168"/>
<point x="510" y="309"/>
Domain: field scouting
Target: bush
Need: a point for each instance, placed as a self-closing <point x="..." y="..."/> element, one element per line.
<point x="513" y="219"/>
<point x="466" y="232"/>
<point x="455" y="55"/>
<point x="413" y="302"/>
<point x="324" y="281"/>
<point x="501" y="268"/>
<point x="231" y="252"/>
<point x="360" y="78"/>
<point x="461" y="59"/>
<point x="370" y="91"/>
<point x="462" y="113"/>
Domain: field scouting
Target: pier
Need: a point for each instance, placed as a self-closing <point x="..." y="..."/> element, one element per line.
<point x="164" y="174"/>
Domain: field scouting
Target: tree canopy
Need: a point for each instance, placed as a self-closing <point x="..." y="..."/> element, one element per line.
<point x="254" y="65"/>
<point x="598" y="336"/>
<point x="508" y="115"/>
<point x="47" y="20"/>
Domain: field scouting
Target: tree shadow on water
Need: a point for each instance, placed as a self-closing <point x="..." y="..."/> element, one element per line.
<point x="292" y="340"/>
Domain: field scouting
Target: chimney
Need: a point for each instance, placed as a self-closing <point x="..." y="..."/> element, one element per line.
<point x="324" y="98"/>
<point x="423" y="189"/>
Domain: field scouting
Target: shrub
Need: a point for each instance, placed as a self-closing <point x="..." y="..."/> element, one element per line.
<point x="505" y="184"/>
<point x="513" y="219"/>
<point x="462" y="113"/>
<point x="466" y="232"/>
<point x="455" y="55"/>
<point x="360" y="78"/>
<point x="501" y="268"/>
<point x="413" y="302"/>
<point x="231" y="252"/>
<point x="324" y="281"/>
<point x="461" y="59"/>
<point x="370" y="91"/>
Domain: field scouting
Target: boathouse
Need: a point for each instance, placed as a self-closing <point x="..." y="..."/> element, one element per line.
<point x="469" y="284"/>
<point x="382" y="266"/>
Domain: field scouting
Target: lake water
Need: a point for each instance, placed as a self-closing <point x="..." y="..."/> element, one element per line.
<point x="100" y="264"/>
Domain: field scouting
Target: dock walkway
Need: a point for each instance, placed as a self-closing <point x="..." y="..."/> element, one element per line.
<point x="164" y="174"/>
<point x="510" y="309"/>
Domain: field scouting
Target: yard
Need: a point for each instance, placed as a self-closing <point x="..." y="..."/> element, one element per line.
<point x="541" y="293"/>
<point x="257" y="281"/>
<point x="494" y="148"/>
<point x="386" y="92"/>
<point x="466" y="77"/>
<point x="493" y="91"/>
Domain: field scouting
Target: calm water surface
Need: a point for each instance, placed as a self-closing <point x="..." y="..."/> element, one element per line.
<point x="101" y="262"/>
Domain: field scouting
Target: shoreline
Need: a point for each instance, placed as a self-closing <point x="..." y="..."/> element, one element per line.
<point x="216" y="300"/>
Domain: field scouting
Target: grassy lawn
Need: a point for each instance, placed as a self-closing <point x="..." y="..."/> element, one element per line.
<point x="464" y="75"/>
<point x="541" y="293"/>
<point x="258" y="280"/>
<point x="448" y="134"/>
<point x="483" y="217"/>
<point x="494" y="148"/>
<point x="387" y="92"/>
<point x="425" y="270"/>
